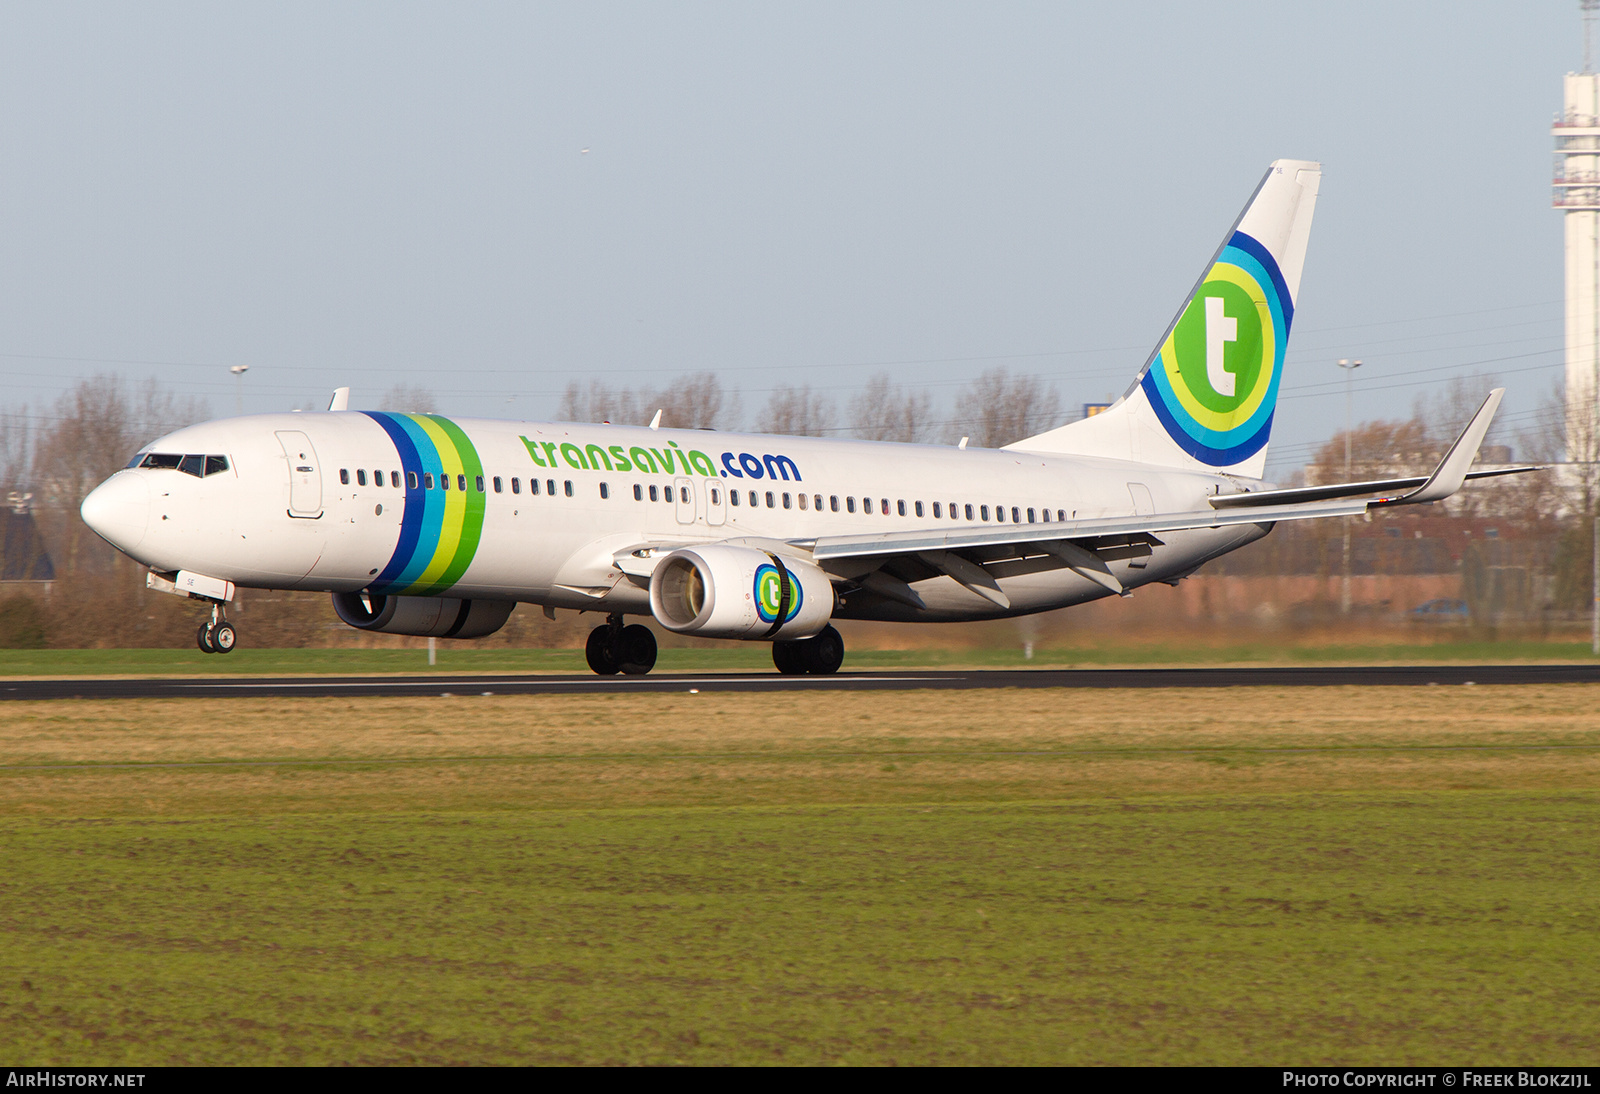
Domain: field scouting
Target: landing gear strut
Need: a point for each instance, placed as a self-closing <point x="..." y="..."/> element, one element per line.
<point x="217" y="636"/>
<point x="820" y="655"/>
<point x="613" y="648"/>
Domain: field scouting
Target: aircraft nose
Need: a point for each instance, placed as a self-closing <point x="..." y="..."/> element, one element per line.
<point x="119" y="510"/>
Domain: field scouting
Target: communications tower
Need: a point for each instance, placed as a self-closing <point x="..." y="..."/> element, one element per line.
<point x="1577" y="194"/>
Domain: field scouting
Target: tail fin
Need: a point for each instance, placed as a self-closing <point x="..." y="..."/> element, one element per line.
<point x="1206" y="396"/>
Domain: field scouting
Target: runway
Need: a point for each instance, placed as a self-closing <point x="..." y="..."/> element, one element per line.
<point x="245" y="687"/>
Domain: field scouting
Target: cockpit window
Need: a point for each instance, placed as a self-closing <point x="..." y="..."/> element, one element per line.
<point x="197" y="465"/>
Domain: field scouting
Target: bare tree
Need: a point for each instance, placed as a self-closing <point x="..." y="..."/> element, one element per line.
<point x="1444" y="410"/>
<point x="16" y="449"/>
<point x="696" y="401"/>
<point x="408" y="399"/>
<point x="797" y="412"/>
<point x="1378" y="450"/>
<point x="999" y="408"/>
<point x="93" y="430"/>
<point x="885" y="411"/>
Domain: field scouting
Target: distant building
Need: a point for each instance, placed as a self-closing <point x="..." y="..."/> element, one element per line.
<point x="22" y="552"/>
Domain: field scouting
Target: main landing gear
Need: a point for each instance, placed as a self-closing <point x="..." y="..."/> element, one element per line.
<point x="613" y="648"/>
<point x="820" y="655"/>
<point x="217" y="636"/>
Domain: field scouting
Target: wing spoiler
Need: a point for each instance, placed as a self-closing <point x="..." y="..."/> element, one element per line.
<point x="1264" y="507"/>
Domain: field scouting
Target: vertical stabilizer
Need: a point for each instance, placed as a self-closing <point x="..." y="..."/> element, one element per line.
<point x="1206" y="396"/>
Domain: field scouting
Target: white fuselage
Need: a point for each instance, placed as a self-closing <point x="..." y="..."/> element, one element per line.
<point x="338" y="502"/>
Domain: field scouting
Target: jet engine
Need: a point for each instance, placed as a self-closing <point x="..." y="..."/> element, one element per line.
<point x="731" y="591"/>
<point x="424" y="616"/>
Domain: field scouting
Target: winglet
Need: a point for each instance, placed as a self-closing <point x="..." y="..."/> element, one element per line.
<point x="655" y="423"/>
<point x="1452" y="470"/>
<point x="340" y="400"/>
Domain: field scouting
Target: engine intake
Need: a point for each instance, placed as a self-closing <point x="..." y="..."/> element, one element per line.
<point x="730" y="591"/>
<point x="424" y="616"/>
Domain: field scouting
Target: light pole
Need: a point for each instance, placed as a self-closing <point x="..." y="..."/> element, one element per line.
<point x="238" y="389"/>
<point x="1349" y="367"/>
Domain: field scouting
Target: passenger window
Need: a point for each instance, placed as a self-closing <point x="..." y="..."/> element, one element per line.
<point x="377" y="478"/>
<point x="394" y="479"/>
<point x="850" y="504"/>
<point x="638" y="492"/>
<point x="1016" y="515"/>
<point x="1046" y="515"/>
<point x="444" y="482"/>
<point x="716" y="496"/>
<point x="819" y="503"/>
<point x="533" y="487"/>
<point x="769" y="500"/>
<point x="216" y="465"/>
<point x="936" y="513"/>
<point x="478" y="482"/>
<point x="802" y="503"/>
<point x="753" y="502"/>
<point x="1030" y="516"/>
<point x="361" y="476"/>
<point x="461" y="483"/>
<point x="411" y="480"/>
<point x="427" y="480"/>
<point x="569" y="487"/>
<point x="866" y="506"/>
<point x="344" y="472"/>
<point x="984" y="509"/>
<point x="516" y="485"/>
<point x="919" y="508"/>
<point x="786" y="499"/>
<point x="605" y="491"/>
<point x="953" y="512"/>
<point x="550" y="487"/>
<point x="900" y="507"/>
<point x="499" y="487"/>
<point x="1061" y="514"/>
<point x="833" y="502"/>
<point x="733" y="496"/>
<point x="655" y="495"/>
<point x="969" y="512"/>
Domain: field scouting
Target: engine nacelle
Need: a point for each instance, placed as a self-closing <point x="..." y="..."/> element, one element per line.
<point x="728" y="591"/>
<point x="424" y="616"/>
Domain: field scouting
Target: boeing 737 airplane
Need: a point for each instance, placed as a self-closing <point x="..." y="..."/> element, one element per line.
<point x="420" y="524"/>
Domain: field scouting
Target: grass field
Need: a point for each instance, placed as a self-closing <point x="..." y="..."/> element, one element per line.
<point x="1232" y="876"/>
<point x="747" y="657"/>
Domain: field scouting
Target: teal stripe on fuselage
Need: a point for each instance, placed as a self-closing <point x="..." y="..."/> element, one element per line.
<point x="433" y="506"/>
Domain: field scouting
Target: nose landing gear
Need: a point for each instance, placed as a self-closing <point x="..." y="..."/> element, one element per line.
<point x="613" y="648"/>
<point x="217" y="636"/>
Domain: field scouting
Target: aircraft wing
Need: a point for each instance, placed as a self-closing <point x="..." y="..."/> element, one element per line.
<point x="1445" y="480"/>
<point x="1080" y="544"/>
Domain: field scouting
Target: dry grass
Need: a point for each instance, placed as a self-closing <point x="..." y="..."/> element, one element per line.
<point x="470" y="752"/>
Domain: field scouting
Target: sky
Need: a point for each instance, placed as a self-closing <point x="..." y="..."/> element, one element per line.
<point x="493" y="200"/>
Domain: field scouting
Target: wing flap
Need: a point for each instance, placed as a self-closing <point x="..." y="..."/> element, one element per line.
<point x="926" y="540"/>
